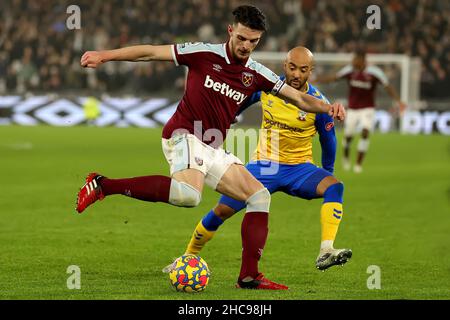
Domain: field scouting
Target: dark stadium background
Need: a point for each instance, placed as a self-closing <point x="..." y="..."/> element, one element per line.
<point x="396" y="211"/>
<point x="38" y="54"/>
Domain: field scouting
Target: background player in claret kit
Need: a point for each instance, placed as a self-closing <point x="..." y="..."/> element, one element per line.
<point x="362" y="80"/>
<point x="221" y="78"/>
<point x="296" y="175"/>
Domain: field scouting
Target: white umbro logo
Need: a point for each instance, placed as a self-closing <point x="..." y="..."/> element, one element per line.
<point x="217" y="67"/>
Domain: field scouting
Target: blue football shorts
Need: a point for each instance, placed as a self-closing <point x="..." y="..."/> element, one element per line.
<point x="298" y="180"/>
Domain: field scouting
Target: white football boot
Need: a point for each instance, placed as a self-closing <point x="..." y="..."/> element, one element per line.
<point x="170" y="267"/>
<point x="332" y="257"/>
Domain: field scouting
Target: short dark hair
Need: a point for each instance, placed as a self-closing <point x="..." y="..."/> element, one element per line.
<point x="251" y="17"/>
<point x="360" y="53"/>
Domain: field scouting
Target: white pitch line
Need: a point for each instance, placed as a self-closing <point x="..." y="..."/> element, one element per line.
<point x="19" y="146"/>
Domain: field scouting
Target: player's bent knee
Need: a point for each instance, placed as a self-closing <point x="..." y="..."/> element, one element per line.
<point x="334" y="193"/>
<point x="183" y="195"/>
<point x="259" y="201"/>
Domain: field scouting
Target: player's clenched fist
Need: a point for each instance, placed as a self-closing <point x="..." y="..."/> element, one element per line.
<point x="91" y="59"/>
<point x="337" y="111"/>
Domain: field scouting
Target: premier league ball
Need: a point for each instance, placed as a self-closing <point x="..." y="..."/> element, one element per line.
<point x="189" y="274"/>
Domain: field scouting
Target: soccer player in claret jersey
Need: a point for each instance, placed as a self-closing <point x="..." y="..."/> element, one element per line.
<point x="220" y="79"/>
<point x="295" y="175"/>
<point x="362" y="80"/>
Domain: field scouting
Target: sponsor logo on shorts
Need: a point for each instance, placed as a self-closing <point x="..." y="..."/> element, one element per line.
<point x="199" y="161"/>
<point x="329" y="126"/>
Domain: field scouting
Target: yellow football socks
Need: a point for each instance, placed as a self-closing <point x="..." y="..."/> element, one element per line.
<point x="199" y="238"/>
<point x="330" y="217"/>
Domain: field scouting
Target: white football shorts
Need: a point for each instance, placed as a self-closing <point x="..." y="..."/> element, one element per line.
<point x="186" y="151"/>
<point x="357" y="119"/>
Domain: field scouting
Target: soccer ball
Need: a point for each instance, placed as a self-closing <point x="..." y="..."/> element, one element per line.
<point x="189" y="274"/>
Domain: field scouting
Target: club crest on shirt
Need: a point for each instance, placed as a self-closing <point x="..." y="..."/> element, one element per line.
<point x="247" y="79"/>
<point x="302" y="115"/>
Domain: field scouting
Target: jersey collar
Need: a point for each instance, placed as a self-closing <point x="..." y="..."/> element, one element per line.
<point x="229" y="57"/>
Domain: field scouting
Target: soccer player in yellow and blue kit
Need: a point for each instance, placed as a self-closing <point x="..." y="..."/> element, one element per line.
<point x="285" y="165"/>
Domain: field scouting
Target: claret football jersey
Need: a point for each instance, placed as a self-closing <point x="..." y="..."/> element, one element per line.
<point x="216" y="87"/>
<point x="362" y="85"/>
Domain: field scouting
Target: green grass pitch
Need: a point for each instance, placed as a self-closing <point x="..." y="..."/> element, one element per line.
<point x="396" y="216"/>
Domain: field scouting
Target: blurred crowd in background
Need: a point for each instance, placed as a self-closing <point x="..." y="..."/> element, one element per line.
<point x="38" y="52"/>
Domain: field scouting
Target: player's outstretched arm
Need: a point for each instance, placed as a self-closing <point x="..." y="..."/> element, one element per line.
<point x="308" y="103"/>
<point x="327" y="136"/>
<point x="92" y="59"/>
<point x="324" y="79"/>
<point x="394" y="95"/>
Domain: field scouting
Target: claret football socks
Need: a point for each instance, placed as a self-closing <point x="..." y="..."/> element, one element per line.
<point x="97" y="187"/>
